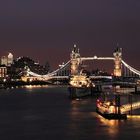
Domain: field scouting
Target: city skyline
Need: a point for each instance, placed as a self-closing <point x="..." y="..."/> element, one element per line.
<point x="47" y="30"/>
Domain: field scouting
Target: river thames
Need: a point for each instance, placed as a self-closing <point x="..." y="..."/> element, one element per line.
<point x="46" y="113"/>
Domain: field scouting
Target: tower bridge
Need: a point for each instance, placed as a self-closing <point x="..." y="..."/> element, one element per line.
<point x="73" y="66"/>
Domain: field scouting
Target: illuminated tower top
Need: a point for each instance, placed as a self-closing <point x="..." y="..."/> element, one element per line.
<point x="118" y="52"/>
<point x="10" y="55"/>
<point x="75" y="52"/>
<point x="10" y="59"/>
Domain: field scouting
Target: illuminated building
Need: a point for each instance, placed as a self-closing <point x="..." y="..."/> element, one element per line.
<point x="7" y="60"/>
<point x="3" y="71"/>
<point x="10" y="59"/>
<point x="4" y="60"/>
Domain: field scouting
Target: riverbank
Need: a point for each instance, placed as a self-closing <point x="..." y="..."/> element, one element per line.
<point x="9" y="84"/>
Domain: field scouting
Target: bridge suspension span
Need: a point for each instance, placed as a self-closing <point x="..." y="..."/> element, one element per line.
<point x="76" y="61"/>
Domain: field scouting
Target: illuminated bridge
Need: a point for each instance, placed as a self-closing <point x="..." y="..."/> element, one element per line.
<point x="71" y="67"/>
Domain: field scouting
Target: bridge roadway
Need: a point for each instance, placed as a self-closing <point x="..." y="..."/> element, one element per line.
<point x="66" y="77"/>
<point x="82" y="59"/>
<point x="96" y="58"/>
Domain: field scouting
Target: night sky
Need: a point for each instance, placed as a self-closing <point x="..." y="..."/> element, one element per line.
<point x="46" y="30"/>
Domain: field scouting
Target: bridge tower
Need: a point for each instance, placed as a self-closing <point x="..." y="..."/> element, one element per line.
<point x="75" y="61"/>
<point x="117" y="60"/>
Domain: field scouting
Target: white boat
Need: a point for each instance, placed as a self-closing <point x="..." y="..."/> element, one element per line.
<point x="80" y="86"/>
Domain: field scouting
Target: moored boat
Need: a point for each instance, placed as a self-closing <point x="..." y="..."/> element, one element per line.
<point x="80" y="86"/>
<point x="109" y="110"/>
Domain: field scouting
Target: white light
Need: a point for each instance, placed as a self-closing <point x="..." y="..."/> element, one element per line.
<point x="131" y="69"/>
<point x="95" y="57"/>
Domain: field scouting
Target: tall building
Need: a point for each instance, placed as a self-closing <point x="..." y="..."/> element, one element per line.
<point x="10" y="59"/>
<point x="4" y="60"/>
<point x="7" y="60"/>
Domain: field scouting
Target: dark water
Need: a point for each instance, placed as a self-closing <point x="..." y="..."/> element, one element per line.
<point x="46" y="113"/>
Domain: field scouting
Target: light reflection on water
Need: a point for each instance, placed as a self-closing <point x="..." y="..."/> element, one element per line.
<point x="47" y="113"/>
<point x="83" y="113"/>
<point x="112" y="126"/>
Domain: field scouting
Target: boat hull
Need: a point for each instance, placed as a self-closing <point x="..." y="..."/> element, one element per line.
<point x="111" y="116"/>
<point x="78" y="92"/>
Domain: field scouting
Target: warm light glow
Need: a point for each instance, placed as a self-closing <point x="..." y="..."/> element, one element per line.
<point x="80" y="81"/>
<point x="127" y="107"/>
<point x="112" y="109"/>
<point x="133" y="116"/>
